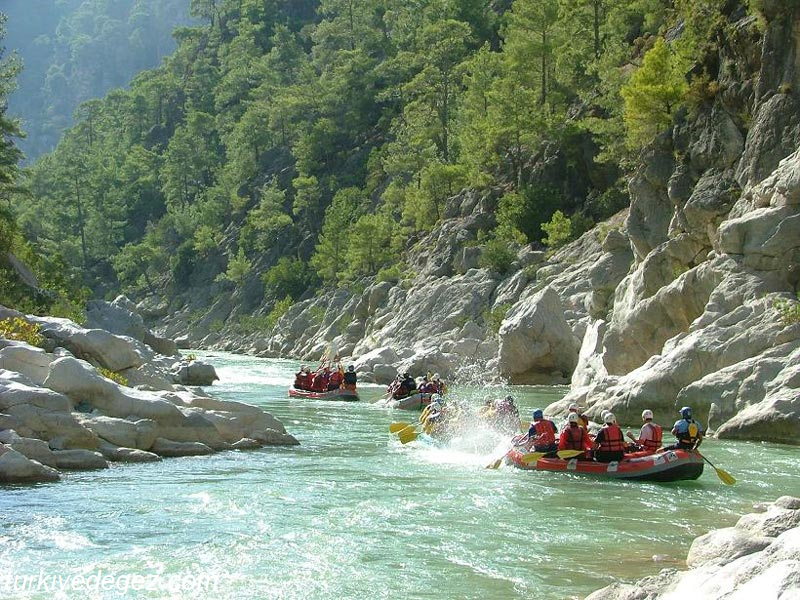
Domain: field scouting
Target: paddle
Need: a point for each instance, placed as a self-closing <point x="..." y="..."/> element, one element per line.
<point x="495" y="464"/>
<point x="565" y="454"/>
<point x="407" y="432"/>
<point x="408" y="435"/>
<point x="399" y="426"/>
<point x="726" y="477"/>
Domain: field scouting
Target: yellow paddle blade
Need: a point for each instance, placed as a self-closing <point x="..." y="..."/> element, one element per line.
<point x="408" y="435"/>
<point x="726" y="477"/>
<point x="424" y="414"/>
<point x="399" y="426"/>
<point x="524" y="425"/>
<point x="495" y="463"/>
<point x="532" y="456"/>
<point x="569" y="453"/>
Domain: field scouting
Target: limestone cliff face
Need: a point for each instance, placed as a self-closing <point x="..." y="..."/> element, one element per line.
<point x="674" y="301"/>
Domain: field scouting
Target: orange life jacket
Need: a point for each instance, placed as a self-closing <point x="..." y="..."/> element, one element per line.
<point x="574" y="438"/>
<point x="655" y="443"/>
<point x="545" y="433"/>
<point x="612" y="441"/>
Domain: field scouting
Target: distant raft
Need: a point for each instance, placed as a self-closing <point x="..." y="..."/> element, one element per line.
<point x="413" y="402"/>
<point x="339" y="394"/>
<point x="670" y="465"/>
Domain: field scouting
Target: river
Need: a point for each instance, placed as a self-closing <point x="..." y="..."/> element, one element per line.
<point x="352" y="513"/>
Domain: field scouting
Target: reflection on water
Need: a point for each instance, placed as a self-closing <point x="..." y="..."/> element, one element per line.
<point x="353" y="513"/>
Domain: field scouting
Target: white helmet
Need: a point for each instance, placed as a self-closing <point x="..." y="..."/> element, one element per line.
<point x="573" y="418"/>
<point x="647" y="414"/>
<point x="609" y="418"/>
<point x="604" y="413"/>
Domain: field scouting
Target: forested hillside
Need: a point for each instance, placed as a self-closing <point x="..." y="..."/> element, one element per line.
<point x="293" y="145"/>
<point x="74" y="50"/>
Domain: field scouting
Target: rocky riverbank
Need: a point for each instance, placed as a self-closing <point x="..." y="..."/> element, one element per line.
<point x="83" y="397"/>
<point x="757" y="558"/>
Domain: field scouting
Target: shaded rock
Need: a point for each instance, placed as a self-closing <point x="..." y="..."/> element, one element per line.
<point x="118" y="317"/>
<point x="79" y="460"/>
<point x="127" y="455"/>
<point x="196" y="373"/>
<point x="165" y="447"/>
<point x="16" y="468"/>
<point x="270" y="437"/>
<point x="31" y="448"/>
<point x="246" y="444"/>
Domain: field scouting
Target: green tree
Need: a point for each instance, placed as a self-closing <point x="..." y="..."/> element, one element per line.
<point x="329" y="253"/>
<point x="370" y="246"/>
<point x="239" y="267"/>
<point x="654" y="93"/>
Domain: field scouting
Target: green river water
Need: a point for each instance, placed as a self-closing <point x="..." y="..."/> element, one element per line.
<point x="352" y="513"/>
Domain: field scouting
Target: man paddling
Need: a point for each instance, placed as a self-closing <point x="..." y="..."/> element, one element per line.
<point x="688" y="431"/>
<point x="650" y="435"/>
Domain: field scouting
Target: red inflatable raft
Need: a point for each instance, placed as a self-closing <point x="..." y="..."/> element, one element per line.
<point x="671" y="465"/>
<point x="340" y="394"/>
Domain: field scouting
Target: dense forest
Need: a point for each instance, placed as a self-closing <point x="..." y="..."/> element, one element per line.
<point x="74" y="50"/>
<point x="289" y="146"/>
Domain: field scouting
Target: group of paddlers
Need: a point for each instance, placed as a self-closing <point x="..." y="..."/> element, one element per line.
<point x="405" y="385"/>
<point x="608" y="444"/>
<point x="325" y="378"/>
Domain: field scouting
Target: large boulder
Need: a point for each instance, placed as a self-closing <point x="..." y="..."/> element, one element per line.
<point x="85" y="386"/>
<point x="16" y="468"/>
<point x="97" y="346"/>
<point x="32" y="448"/>
<point x="79" y="460"/>
<point x="536" y="343"/>
<point x="42" y="413"/>
<point x="29" y="360"/>
<point x="138" y="434"/>
<point x="171" y="448"/>
<point x="195" y="373"/>
<point x="736" y="563"/>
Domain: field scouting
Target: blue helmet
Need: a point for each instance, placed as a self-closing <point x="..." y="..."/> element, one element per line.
<point x="538" y="414"/>
<point x="686" y="412"/>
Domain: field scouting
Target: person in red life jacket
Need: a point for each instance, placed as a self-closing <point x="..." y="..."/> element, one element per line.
<point x="609" y="443"/>
<point x="335" y="379"/>
<point x="407" y="387"/>
<point x="319" y="383"/>
<point x="425" y="386"/>
<point x="650" y="436"/>
<point x="301" y="379"/>
<point x="350" y="378"/>
<point x="575" y="437"/>
<point x="583" y="421"/>
<point x="542" y="433"/>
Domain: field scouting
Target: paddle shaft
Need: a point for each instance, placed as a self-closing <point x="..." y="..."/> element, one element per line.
<point x="724" y="476"/>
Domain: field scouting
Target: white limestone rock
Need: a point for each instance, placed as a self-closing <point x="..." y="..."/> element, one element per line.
<point x="16" y="468"/>
<point x="29" y="360"/>
<point x="535" y="340"/>
<point x="126" y="455"/>
<point x="170" y="448"/>
<point x="79" y="460"/>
